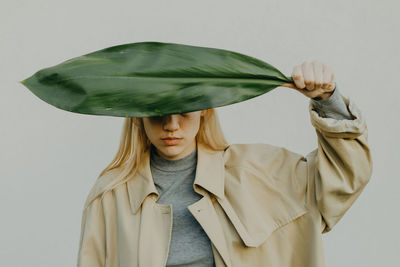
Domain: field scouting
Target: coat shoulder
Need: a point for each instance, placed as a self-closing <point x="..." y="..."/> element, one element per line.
<point x="262" y="165"/>
<point x="259" y="153"/>
<point x="103" y="184"/>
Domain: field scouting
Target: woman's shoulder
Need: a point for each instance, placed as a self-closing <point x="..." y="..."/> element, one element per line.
<point x="102" y="184"/>
<point x="258" y="152"/>
<point x="263" y="160"/>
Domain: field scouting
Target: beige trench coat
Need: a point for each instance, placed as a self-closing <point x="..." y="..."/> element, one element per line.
<point x="263" y="205"/>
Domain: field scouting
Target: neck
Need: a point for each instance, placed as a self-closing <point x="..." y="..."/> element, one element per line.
<point x="187" y="162"/>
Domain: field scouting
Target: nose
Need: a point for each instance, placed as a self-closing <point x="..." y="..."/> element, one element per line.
<point x="171" y="122"/>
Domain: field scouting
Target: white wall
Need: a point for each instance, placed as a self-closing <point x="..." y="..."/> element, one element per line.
<point x="50" y="158"/>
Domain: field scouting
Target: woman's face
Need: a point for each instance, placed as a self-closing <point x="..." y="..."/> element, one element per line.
<point x="183" y="126"/>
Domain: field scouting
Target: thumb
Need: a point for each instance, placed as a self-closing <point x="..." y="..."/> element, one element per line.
<point x="290" y="85"/>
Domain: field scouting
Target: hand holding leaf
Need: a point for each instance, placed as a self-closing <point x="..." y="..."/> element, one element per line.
<point x="313" y="79"/>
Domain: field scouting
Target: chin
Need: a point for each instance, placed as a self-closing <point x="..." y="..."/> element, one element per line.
<point x="171" y="151"/>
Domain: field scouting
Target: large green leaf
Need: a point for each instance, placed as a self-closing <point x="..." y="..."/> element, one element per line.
<point x="153" y="79"/>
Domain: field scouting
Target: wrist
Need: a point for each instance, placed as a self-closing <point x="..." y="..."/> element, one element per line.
<point x="324" y="96"/>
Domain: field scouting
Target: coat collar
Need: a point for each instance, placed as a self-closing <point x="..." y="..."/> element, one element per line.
<point x="209" y="175"/>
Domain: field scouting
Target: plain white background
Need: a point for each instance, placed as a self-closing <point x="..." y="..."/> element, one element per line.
<point x="50" y="158"/>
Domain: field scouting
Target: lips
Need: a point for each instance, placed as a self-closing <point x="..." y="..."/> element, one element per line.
<point x="171" y="141"/>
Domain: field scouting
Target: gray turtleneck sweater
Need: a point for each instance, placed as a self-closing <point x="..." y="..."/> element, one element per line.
<point x="190" y="245"/>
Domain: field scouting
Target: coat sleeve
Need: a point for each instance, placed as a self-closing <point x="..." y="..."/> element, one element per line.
<point x="92" y="243"/>
<point x="341" y="166"/>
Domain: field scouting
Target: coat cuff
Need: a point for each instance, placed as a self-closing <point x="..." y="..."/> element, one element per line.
<point x="342" y="128"/>
<point x="332" y="107"/>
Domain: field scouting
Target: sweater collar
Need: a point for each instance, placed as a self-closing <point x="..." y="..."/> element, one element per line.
<point x="167" y="165"/>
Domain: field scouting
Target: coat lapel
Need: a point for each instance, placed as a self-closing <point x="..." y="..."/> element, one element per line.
<point x="204" y="212"/>
<point x="154" y="234"/>
<point x="155" y="219"/>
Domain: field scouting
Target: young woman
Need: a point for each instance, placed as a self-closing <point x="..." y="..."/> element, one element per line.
<point x="177" y="194"/>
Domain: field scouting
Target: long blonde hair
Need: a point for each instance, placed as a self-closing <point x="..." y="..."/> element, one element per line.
<point x="134" y="142"/>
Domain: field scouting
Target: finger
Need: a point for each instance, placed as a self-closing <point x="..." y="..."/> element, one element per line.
<point x="289" y="85"/>
<point x="317" y="67"/>
<point x="328" y="76"/>
<point x="308" y="73"/>
<point x="333" y="74"/>
<point x="298" y="78"/>
<point x="331" y="86"/>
